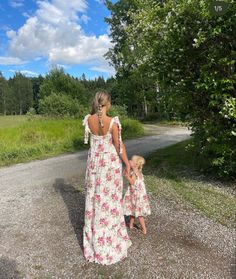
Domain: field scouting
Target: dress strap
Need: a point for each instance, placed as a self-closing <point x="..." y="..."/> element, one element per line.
<point x="111" y="123"/>
<point x="117" y="121"/>
<point x="86" y="128"/>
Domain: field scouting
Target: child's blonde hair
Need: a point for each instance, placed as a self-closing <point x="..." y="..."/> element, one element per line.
<point x="139" y="161"/>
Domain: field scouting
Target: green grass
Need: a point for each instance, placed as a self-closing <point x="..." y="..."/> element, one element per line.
<point x="12" y="121"/>
<point x="22" y="140"/>
<point x="172" y="173"/>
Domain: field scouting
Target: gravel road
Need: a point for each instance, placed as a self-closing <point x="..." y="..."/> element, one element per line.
<point x="41" y="219"/>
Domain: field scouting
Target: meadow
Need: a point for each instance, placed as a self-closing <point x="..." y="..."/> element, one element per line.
<point x="25" y="138"/>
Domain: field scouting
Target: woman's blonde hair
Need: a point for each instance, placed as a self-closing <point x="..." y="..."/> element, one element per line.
<point x="100" y="100"/>
<point x="139" y="161"/>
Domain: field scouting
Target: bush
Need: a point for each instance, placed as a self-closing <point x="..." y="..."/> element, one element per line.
<point x="60" y="105"/>
<point x="31" y="114"/>
<point x="131" y="128"/>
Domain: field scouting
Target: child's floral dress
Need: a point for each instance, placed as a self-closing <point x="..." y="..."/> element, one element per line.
<point x="136" y="202"/>
<point x="105" y="238"/>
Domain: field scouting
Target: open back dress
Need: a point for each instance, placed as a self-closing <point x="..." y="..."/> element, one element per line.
<point x="105" y="238"/>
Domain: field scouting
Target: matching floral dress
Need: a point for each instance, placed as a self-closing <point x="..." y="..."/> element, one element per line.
<point x="105" y="237"/>
<point x="136" y="202"/>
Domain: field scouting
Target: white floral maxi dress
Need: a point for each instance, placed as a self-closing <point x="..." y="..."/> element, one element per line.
<point x="136" y="202"/>
<point x="105" y="238"/>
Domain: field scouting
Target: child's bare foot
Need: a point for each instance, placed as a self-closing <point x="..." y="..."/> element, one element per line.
<point x="131" y="226"/>
<point x="143" y="226"/>
<point x="144" y="231"/>
<point x="131" y="222"/>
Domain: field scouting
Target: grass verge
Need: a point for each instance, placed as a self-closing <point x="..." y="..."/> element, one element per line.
<point x="172" y="173"/>
<point x="22" y="140"/>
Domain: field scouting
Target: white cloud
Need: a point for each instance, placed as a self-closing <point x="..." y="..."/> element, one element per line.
<point x="25" y="14"/>
<point x="85" y="18"/>
<point x="4" y="60"/>
<point x="54" y="32"/>
<point x="100" y="1"/>
<point x="87" y="50"/>
<point x="16" y="3"/>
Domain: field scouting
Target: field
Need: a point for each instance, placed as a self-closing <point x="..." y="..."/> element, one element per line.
<point x="23" y="139"/>
<point x="12" y="121"/>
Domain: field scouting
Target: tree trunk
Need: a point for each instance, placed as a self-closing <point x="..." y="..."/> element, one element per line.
<point x="145" y="106"/>
<point x="4" y="107"/>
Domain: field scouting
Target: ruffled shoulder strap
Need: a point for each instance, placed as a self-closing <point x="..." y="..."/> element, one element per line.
<point x="86" y="128"/>
<point x="117" y="121"/>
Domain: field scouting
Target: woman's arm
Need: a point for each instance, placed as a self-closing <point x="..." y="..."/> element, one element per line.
<point x="123" y="155"/>
<point x="131" y="179"/>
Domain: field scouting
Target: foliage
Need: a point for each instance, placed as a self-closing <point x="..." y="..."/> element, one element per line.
<point x="120" y="111"/>
<point x="135" y="86"/>
<point x="36" y="82"/>
<point x="31" y="111"/>
<point x="60" y="83"/>
<point x="4" y="94"/>
<point x="60" y="105"/>
<point x="189" y="55"/>
<point x="31" y="114"/>
<point x="131" y="128"/>
<point x="20" y="95"/>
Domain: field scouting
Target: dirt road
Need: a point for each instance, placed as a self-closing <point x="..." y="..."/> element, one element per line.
<point x="41" y="219"/>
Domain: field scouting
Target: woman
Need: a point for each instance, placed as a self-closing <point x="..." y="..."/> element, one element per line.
<point x="105" y="237"/>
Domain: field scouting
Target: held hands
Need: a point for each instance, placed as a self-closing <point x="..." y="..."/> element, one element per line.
<point x="128" y="175"/>
<point x="130" y="165"/>
<point x="126" y="171"/>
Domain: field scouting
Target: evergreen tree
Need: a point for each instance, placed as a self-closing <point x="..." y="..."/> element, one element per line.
<point x="22" y="93"/>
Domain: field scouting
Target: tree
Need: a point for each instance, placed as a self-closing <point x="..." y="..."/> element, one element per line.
<point x="189" y="54"/>
<point x="36" y="83"/>
<point x="134" y="85"/>
<point x="57" y="81"/>
<point x="4" y="94"/>
<point x="22" y="93"/>
<point x="60" y="105"/>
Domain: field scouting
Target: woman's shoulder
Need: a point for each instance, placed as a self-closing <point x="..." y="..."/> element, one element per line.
<point x="116" y="120"/>
<point x="85" y="120"/>
<point x="115" y="117"/>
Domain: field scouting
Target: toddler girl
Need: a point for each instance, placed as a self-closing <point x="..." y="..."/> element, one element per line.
<point x="136" y="203"/>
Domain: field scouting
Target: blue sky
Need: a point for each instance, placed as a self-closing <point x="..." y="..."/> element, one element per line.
<point x="36" y="35"/>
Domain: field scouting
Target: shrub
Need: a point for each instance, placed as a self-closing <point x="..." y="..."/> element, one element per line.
<point x="131" y="128"/>
<point x="60" y="105"/>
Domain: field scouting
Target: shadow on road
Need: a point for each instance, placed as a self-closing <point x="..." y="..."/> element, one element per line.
<point x="8" y="269"/>
<point x="75" y="202"/>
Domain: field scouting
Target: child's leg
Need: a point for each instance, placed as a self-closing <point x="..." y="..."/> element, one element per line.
<point x="131" y="222"/>
<point x="142" y="223"/>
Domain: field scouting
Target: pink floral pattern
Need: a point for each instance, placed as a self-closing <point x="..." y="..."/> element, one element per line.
<point x="136" y="202"/>
<point x="105" y="237"/>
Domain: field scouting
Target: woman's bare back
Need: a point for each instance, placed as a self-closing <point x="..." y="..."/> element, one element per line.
<point x="95" y="127"/>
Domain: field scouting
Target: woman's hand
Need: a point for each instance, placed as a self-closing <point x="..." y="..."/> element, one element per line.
<point x="126" y="172"/>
